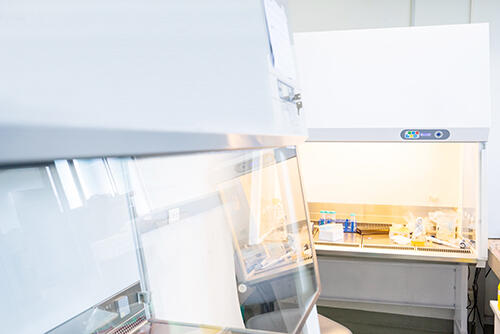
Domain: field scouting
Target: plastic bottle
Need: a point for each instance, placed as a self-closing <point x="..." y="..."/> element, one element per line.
<point x="330" y="217"/>
<point x="354" y="223"/>
<point x="346" y="226"/>
<point x="498" y="297"/>
<point x="322" y="218"/>
<point x="333" y="216"/>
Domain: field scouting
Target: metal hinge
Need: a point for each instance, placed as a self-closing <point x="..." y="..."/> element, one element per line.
<point x="144" y="297"/>
<point x="298" y="103"/>
<point x="299" y="106"/>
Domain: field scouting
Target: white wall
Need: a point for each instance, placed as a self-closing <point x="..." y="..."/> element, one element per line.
<point x="316" y="15"/>
<point x="321" y="15"/>
<point x="489" y="11"/>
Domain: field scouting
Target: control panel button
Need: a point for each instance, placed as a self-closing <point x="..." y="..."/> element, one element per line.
<point x="425" y="134"/>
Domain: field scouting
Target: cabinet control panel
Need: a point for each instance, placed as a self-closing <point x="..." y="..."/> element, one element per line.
<point x="425" y="134"/>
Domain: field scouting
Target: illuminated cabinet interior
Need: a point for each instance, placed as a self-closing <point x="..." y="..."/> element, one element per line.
<point x="416" y="198"/>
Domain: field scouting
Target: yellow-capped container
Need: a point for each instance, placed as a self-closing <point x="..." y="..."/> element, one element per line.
<point x="498" y="297"/>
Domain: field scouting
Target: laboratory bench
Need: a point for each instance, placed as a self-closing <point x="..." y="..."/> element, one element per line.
<point x="370" y="273"/>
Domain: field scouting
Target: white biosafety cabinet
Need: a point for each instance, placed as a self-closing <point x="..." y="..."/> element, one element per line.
<point x="398" y="125"/>
<point x="398" y="121"/>
<point x="148" y="169"/>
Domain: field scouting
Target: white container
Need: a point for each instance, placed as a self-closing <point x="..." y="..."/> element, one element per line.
<point x="331" y="232"/>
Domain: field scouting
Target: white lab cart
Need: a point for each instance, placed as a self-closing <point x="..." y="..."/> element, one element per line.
<point x="496" y="313"/>
<point x="398" y="121"/>
<point x="148" y="171"/>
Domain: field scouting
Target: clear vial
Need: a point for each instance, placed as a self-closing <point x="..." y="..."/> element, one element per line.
<point x="322" y="218"/>
<point x="333" y="216"/>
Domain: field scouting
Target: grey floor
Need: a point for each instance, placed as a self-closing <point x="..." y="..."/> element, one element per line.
<point x="363" y="322"/>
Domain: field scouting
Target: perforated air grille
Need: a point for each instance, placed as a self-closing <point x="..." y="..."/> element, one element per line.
<point x="389" y="247"/>
<point x="444" y="250"/>
<point x="127" y="327"/>
<point x="336" y="244"/>
<point x="130" y="326"/>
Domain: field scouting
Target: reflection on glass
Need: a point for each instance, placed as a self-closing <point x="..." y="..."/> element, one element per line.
<point x="68" y="183"/>
<point x="94" y="177"/>
<point x="54" y="189"/>
<point x="222" y="240"/>
<point x="60" y="254"/>
<point x="228" y="244"/>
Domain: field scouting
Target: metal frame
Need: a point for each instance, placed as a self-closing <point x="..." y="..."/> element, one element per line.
<point x="391" y="135"/>
<point x="313" y="249"/>
<point x="483" y="208"/>
<point x="33" y="144"/>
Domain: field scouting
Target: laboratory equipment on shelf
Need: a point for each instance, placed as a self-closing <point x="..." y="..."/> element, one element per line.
<point x="327" y="217"/>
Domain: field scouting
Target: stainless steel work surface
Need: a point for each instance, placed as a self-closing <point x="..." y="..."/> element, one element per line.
<point x="380" y="245"/>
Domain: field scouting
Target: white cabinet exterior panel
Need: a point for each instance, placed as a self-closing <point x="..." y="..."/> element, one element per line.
<point x="415" y="77"/>
<point x="403" y="283"/>
<point x="163" y="67"/>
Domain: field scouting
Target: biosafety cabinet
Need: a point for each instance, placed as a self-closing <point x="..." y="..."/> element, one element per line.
<point x="149" y="181"/>
<point x="394" y="166"/>
<point x="398" y="122"/>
